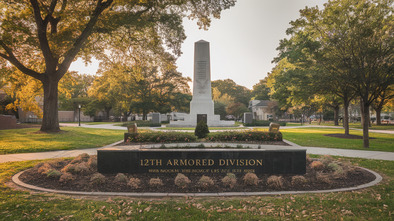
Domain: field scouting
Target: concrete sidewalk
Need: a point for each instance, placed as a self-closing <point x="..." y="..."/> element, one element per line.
<point x="113" y="127"/>
<point x="376" y="155"/>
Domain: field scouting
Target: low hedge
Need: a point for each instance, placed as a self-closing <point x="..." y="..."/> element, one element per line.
<point x="161" y="137"/>
<point x="173" y="137"/>
<point x="264" y="123"/>
<point x="141" y="123"/>
<point x="245" y="136"/>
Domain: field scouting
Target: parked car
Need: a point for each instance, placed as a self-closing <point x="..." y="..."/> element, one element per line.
<point x="386" y="119"/>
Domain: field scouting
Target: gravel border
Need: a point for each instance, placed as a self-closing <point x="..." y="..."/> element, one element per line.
<point x="17" y="181"/>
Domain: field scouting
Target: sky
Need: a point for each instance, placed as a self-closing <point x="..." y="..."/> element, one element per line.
<point x="243" y="41"/>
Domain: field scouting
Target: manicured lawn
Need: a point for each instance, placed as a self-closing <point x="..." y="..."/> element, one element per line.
<point x="375" y="203"/>
<point x="28" y="140"/>
<point x="294" y="124"/>
<point x="97" y="123"/>
<point x="356" y="125"/>
<point x="211" y="128"/>
<point x="314" y="137"/>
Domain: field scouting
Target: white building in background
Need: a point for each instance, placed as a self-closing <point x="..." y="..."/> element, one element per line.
<point x="263" y="109"/>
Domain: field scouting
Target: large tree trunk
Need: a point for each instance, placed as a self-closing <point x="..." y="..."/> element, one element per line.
<point x="50" y="120"/>
<point x="144" y="115"/>
<point x="378" y="119"/>
<point x="365" y="120"/>
<point x="336" y="115"/>
<point x="107" y="110"/>
<point x="346" y="117"/>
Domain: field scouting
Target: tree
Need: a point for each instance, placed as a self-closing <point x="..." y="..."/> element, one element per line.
<point x="73" y="90"/>
<point x="261" y="91"/>
<point x="221" y="101"/>
<point x="239" y="93"/>
<point x="384" y="97"/>
<point x="351" y="41"/>
<point x="23" y="91"/>
<point x="236" y="109"/>
<point x="42" y="38"/>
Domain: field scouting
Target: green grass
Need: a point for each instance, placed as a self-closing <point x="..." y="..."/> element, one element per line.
<point x="211" y="128"/>
<point x="294" y="124"/>
<point x="375" y="203"/>
<point x="28" y="140"/>
<point x="97" y="123"/>
<point x="355" y="125"/>
<point x="314" y="137"/>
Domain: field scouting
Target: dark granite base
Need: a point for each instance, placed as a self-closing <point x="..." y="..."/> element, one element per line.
<point x="202" y="161"/>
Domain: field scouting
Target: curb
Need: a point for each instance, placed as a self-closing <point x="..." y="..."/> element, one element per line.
<point x="291" y="143"/>
<point x="17" y="181"/>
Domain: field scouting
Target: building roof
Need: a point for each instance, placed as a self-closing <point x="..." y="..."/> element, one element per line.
<point x="259" y="103"/>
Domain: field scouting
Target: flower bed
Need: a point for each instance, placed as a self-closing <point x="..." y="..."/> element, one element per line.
<point x="160" y="137"/>
<point x="228" y="136"/>
<point x="81" y="174"/>
<point x="245" y="136"/>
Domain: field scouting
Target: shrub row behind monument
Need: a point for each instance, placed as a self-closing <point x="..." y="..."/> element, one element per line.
<point x="173" y="137"/>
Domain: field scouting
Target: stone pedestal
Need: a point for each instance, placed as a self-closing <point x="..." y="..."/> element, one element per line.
<point x="202" y="103"/>
<point x="156" y="118"/>
<point x="248" y="118"/>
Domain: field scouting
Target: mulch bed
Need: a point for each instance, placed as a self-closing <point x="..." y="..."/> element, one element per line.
<point x="350" y="136"/>
<point x="354" y="177"/>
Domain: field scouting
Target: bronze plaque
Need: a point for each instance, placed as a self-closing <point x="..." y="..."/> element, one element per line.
<point x="202" y="117"/>
<point x="274" y="128"/>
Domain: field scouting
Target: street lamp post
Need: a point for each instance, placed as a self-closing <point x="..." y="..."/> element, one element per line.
<point x="79" y="115"/>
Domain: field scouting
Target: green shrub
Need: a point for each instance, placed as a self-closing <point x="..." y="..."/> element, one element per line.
<point x="181" y="180"/>
<point x="54" y="173"/>
<point x="326" y="160"/>
<point x="264" y="123"/>
<point x="229" y="180"/>
<point x="97" y="179"/>
<point x="121" y="178"/>
<point x="134" y="183"/>
<point x="338" y="170"/>
<point x="205" y="182"/>
<point x="161" y="137"/>
<point x="298" y="180"/>
<point x="80" y="168"/>
<point x="155" y="182"/>
<point x="251" y="179"/>
<point x="141" y="123"/>
<point x="66" y="177"/>
<point x="317" y="165"/>
<point x="201" y="130"/>
<point x="275" y="182"/>
<point x="44" y="168"/>
<point x="323" y="178"/>
<point x="245" y="136"/>
<point x="92" y="162"/>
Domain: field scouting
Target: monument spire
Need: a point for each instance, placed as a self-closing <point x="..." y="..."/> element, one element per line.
<point x="202" y="106"/>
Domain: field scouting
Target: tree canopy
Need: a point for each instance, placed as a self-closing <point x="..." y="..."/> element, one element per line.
<point x="42" y="38"/>
<point x="345" y="49"/>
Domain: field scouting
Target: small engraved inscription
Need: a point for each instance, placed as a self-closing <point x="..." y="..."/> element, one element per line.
<point x="201" y="70"/>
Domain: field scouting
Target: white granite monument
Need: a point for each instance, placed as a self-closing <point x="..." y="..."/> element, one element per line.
<point x="201" y="106"/>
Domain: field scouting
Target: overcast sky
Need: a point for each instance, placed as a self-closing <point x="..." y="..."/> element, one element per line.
<point x="242" y="41"/>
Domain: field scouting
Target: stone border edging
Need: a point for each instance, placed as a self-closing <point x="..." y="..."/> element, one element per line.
<point x="16" y="180"/>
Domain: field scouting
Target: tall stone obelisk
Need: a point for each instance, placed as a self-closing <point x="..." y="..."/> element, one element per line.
<point x="202" y="106"/>
<point x="202" y="102"/>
